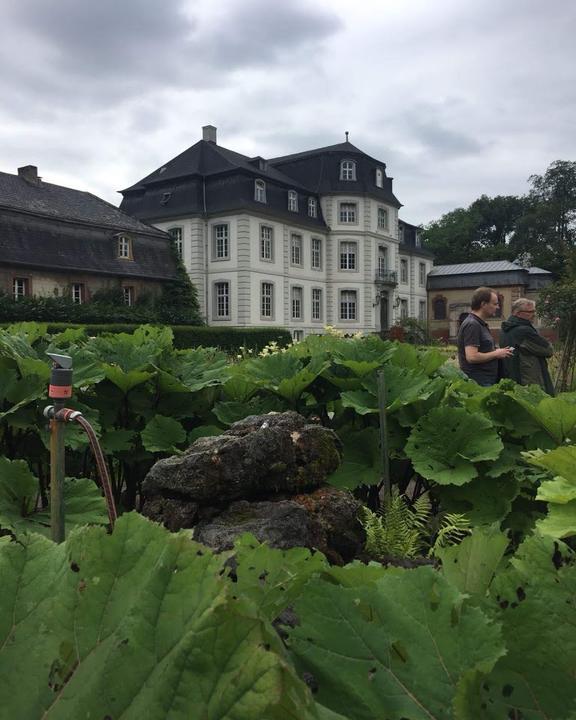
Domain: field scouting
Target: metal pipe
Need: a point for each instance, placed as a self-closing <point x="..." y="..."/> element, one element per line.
<point x="57" y="474"/>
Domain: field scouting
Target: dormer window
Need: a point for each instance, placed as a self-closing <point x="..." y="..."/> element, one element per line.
<point x="124" y="247"/>
<point x="347" y="170"/>
<point x="165" y="198"/>
<point x="292" y="201"/>
<point x="312" y="207"/>
<point x="379" y="178"/>
<point x="260" y="191"/>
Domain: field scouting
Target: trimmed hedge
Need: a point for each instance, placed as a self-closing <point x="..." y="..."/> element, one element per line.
<point x="230" y="340"/>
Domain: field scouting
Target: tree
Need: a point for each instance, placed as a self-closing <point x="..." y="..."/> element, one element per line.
<point x="547" y="230"/>
<point x="480" y="232"/>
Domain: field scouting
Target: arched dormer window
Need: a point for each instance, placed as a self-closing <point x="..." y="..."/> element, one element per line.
<point x="292" y="201"/>
<point x="379" y="178"/>
<point x="347" y="170"/>
<point x="439" y="307"/>
<point x="260" y="191"/>
<point x="312" y="207"/>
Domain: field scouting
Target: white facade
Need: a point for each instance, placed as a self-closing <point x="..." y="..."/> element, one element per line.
<point x="253" y="270"/>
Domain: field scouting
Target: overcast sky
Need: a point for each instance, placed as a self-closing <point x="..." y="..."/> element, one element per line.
<point x="458" y="98"/>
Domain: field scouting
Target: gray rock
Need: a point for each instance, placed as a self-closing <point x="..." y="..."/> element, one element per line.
<point x="257" y="457"/>
<point x="282" y="524"/>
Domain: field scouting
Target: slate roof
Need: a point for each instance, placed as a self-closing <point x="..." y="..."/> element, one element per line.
<point x="47" y="226"/>
<point x="319" y="170"/>
<point x="65" y="203"/>
<point x="477" y="267"/>
<point x="207" y="158"/>
<point x="69" y="248"/>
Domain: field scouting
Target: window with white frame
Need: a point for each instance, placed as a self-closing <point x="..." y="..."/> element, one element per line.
<point x="422" y="274"/>
<point x="260" y="191"/>
<point x="312" y="207"/>
<point x="417" y="239"/>
<point x="77" y="293"/>
<point x="316" y="303"/>
<point x="404" y="271"/>
<point x="316" y="247"/>
<point x="292" y="201"/>
<point x="267" y="300"/>
<point x="382" y="259"/>
<point x="220" y="242"/>
<point x="348" y="251"/>
<point x="401" y="233"/>
<point x="422" y="310"/>
<point x="266" y="243"/>
<point x="403" y="309"/>
<point x="128" y="293"/>
<point x="176" y="235"/>
<point x="297" y="293"/>
<point x="20" y="287"/>
<point x="347" y="212"/>
<point x="379" y="178"/>
<point x="124" y="247"/>
<point x="348" y="304"/>
<point x="347" y="170"/>
<point x="382" y="218"/>
<point x="297" y="335"/>
<point x="222" y="300"/>
<point x="296" y="250"/>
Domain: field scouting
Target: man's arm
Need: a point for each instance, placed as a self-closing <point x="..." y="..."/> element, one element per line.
<point x="537" y="348"/>
<point x="474" y="356"/>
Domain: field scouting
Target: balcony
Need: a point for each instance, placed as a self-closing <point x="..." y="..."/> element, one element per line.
<point x="386" y="277"/>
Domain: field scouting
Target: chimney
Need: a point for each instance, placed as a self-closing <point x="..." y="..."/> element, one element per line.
<point x="30" y="174"/>
<point x="209" y="133"/>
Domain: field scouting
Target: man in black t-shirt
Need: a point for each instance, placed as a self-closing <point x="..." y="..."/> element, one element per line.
<point x="477" y="354"/>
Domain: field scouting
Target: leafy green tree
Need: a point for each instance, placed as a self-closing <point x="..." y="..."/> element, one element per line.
<point x="476" y="233"/>
<point x="546" y="233"/>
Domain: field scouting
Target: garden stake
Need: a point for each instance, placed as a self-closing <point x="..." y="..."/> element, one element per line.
<point x="384" y="436"/>
<point x="59" y="389"/>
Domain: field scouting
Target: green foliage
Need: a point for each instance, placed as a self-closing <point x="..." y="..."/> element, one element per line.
<point x="19" y="501"/>
<point x="399" y="530"/>
<point x="445" y="445"/>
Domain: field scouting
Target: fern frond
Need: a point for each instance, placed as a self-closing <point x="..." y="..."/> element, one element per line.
<point x="453" y="529"/>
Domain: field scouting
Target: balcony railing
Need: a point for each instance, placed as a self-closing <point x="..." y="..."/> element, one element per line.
<point x="386" y="277"/>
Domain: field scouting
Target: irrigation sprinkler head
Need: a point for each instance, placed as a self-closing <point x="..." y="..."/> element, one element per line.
<point x="61" y="361"/>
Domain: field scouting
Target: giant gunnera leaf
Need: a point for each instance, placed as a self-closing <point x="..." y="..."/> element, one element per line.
<point x="445" y="444"/>
<point x="138" y="625"/>
<point x="401" y="648"/>
<point x="534" y="600"/>
<point x="19" y="489"/>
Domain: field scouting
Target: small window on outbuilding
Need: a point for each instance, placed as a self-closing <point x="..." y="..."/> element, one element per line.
<point x="439" y="308"/>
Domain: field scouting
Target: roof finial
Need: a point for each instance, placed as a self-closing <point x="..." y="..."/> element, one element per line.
<point x="346" y="133"/>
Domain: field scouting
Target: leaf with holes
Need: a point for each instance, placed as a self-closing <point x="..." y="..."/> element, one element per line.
<point x="445" y="444"/>
<point x="137" y="624"/>
<point x="398" y="648"/>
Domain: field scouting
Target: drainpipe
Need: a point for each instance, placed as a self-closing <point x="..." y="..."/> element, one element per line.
<point x="206" y="248"/>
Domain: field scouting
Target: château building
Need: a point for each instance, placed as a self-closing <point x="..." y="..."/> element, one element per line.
<point x="300" y="241"/>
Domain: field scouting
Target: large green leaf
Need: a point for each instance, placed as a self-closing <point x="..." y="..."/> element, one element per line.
<point x="555" y="415"/>
<point x="139" y="624"/>
<point x="470" y="566"/>
<point x="445" y="444"/>
<point x="163" y="434"/>
<point x="535" y="601"/>
<point x="362" y="462"/>
<point x="397" y="648"/>
<point x="560" y="522"/>
<point x="559" y="493"/>
<point x="19" y="491"/>
<point x="126" y="380"/>
<point x="484" y="500"/>
<point x="231" y="412"/>
<point x="273" y="579"/>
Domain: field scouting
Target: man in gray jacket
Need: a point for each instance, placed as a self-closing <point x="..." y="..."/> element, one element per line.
<point x="528" y="365"/>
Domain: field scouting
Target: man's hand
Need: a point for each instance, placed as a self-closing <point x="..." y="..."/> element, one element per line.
<point x="473" y="355"/>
